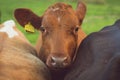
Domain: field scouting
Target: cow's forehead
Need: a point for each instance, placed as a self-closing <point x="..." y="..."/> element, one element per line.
<point x="60" y="13"/>
<point x="52" y="20"/>
<point x="8" y="28"/>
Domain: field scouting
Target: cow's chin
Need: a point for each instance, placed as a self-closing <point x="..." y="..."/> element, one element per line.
<point x="58" y="68"/>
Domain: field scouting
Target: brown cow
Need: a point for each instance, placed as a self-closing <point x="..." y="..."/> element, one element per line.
<point x="18" y="59"/>
<point x="60" y="29"/>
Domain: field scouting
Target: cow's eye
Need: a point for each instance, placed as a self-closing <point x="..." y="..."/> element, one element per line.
<point x="42" y="29"/>
<point x="76" y="29"/>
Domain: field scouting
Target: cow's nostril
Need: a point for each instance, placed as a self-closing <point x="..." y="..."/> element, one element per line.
<point x="65" y="61"/>
<point x="53" y="61"/>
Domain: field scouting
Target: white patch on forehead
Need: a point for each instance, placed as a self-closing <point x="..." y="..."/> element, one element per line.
<point x="54" y="9"/>
<point x="58" y="19"/>
<point x="8" y="27"/>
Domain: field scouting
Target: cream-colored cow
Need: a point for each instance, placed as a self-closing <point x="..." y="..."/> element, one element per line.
<point x="18" y="59"/>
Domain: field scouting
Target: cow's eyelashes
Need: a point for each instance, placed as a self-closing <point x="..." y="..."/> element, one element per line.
<point x="43" y="29"/>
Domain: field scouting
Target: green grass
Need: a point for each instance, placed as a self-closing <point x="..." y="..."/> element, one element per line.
<point x="98" y="15"/>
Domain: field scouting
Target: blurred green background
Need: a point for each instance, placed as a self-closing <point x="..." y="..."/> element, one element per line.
<point x="100" y="13"/>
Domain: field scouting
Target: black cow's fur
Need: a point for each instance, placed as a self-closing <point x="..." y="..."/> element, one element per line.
<point x="98" y="56"/>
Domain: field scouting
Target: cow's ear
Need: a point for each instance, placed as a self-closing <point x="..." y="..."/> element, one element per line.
<point x="25" y="16"/>
<point x="81" y="11"/>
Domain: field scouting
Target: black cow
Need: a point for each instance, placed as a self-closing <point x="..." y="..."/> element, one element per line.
<point x="98" y="56"/>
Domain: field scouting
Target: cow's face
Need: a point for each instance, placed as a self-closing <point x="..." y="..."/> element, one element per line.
<point x="59" y="27"/>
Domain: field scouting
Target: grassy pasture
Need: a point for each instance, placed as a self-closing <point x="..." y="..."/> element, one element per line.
<point x="98" y="15"/>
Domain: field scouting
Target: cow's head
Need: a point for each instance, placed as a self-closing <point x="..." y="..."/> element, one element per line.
<point x="59" y="26"/>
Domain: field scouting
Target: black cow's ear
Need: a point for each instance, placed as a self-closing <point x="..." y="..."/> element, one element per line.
<point x="25" y="16"/>
<point x="81" y="11"/>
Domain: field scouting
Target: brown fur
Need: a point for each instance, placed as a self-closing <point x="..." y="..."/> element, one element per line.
<point x="18" y="60"/>
<point x="59" y="36"/>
